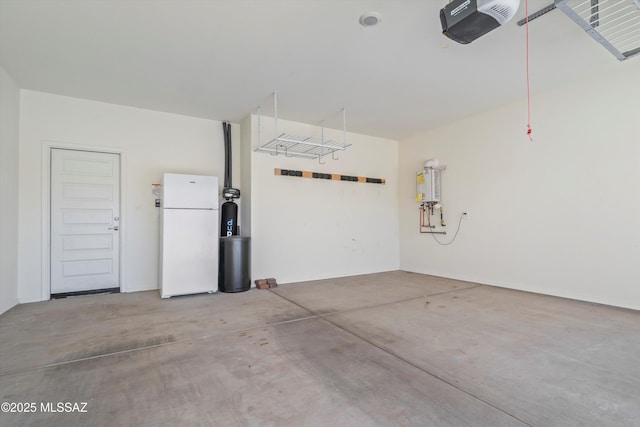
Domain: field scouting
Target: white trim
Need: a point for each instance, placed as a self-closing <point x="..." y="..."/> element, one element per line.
<point x="47" y="146"/>
<point x="12" y="303"/>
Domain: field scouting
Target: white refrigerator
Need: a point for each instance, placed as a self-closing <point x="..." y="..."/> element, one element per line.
<point x="189" y="241"/>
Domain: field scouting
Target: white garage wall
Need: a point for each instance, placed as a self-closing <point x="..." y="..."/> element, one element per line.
<point x="245" y="171"/>
<point x="306" y="229"/>
<point x="557" y="216"/>
<point x="9" y="137"/>
<point x="151" y="143"/>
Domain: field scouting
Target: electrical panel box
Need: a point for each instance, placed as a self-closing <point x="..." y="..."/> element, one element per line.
<point x="428" y="185"/>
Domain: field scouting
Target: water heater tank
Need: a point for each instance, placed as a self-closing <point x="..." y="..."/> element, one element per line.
<point x="428" y="185"/>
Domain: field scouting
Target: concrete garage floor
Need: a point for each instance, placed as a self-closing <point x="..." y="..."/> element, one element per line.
<point x="388" y="349"/>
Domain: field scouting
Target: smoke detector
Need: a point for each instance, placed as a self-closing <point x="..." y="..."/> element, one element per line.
<point x="370" y="19"/>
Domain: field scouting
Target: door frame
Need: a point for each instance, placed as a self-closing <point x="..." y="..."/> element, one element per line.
<point x="47" y="146"/>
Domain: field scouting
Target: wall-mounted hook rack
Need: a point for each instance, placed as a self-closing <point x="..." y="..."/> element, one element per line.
<point x="329" y="176"/>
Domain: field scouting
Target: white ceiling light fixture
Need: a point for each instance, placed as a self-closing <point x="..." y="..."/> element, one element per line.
<point x="370" y="19"/>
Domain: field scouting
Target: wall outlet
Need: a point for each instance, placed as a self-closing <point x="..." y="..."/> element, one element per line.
<point x="466" y="214"/>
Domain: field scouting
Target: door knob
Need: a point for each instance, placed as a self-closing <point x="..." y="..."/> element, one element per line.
<point x="115" y="228"/>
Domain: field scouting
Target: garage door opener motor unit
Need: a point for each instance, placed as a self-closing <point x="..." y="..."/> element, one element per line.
<point x="464" y="21"/>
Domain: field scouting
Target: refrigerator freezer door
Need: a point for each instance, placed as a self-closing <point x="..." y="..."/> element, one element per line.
<point x="189" y="191"/>
<point x="189" y="252"/>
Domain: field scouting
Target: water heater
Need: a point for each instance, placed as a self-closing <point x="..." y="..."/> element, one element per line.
<point x="428" y="185"/>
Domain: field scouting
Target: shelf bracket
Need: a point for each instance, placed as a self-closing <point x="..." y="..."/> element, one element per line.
<point x="297" y="146"/>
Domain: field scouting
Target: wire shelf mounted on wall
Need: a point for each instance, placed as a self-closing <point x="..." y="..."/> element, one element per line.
<point x="309" y="147"/>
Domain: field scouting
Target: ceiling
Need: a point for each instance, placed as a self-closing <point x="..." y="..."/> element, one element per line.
<point x="222" y="59"/>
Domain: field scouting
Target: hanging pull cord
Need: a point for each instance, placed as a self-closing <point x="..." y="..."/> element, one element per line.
<point x="529" y="130"/>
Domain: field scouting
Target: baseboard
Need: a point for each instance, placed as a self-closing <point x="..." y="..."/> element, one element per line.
<point x="6" y="307"/>
<point x="520" y="288"/>
<point x="145" y="289"/>
<point x="30" y="300"/>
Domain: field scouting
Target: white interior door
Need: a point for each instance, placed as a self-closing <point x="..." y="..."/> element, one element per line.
<point x="85" y="215"/>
